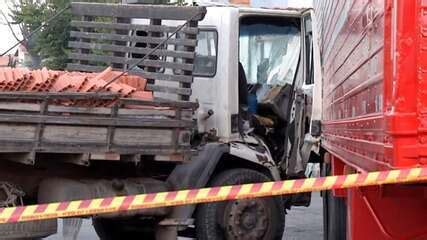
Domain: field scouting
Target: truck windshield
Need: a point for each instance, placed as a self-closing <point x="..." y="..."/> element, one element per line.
<point x="269" y="49"/>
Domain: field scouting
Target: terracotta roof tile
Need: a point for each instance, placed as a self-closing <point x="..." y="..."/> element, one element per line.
<point x="44" y="80"/>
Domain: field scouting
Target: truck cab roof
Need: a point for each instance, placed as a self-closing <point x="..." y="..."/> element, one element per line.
<point x="251" y="10"/>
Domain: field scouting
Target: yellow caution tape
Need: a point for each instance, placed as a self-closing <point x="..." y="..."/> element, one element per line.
<point x="205" y="195"/>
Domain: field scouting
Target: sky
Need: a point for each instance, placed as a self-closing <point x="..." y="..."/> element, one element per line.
<point x="6" y="38"/>
<point x="300" y="3"/>
<point x="282" y="3"/>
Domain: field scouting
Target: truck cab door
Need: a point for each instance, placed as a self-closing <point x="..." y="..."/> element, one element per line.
<point x="300" y="141"/>
<point x="216" y="71"/>
<point x="313" y="85"/>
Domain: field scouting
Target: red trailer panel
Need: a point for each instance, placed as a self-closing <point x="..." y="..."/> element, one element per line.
<point x="374" y="60"/>
<point x="374" y="82"/>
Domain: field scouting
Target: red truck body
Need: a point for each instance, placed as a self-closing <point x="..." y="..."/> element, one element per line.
<point x="374" y="60"/>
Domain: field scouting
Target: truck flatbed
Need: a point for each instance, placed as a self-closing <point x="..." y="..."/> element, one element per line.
<point x="125" y="131"/>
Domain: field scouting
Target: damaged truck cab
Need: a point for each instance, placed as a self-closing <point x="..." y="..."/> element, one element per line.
<point x="254" y="82"/>
<point x="255" y="72"/>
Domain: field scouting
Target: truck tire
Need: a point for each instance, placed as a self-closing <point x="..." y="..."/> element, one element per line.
<point x="334" y="214"/>
<point x="115" y="229"/>
<point x="261" y="218"/>
<point x="28" y="230"/>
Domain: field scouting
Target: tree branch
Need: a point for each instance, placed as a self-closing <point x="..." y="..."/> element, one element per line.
<point x="10" y="26"/>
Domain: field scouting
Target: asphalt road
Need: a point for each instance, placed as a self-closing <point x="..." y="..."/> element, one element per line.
<point x="301" y="224"/>
<point x="304" y="223"/>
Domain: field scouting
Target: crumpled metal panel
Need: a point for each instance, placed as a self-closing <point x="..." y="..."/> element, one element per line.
<point x="44" y="80"/>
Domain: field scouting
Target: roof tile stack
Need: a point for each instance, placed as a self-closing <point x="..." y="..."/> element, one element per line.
<point x="21" y="79"/>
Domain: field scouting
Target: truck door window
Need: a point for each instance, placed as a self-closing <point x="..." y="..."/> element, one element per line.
<point x="205" y="60"/>
<point x="309" y="50"/>
<point x="269" y="49"/>
<point x="206" y="53"/>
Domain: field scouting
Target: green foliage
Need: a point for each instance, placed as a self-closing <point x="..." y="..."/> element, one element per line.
<point x="48" y="47"/>
<point x="50" y="44"/>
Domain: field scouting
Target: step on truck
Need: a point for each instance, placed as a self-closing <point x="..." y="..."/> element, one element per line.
<point x="232" y="102"/>
<point x="374" y="114"/>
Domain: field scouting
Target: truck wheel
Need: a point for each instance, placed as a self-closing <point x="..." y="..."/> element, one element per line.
<point x="114" y="229"/>
<point x="334" y="214"/>
<point x="28" y="230"/>
<point x="260" y="218"/>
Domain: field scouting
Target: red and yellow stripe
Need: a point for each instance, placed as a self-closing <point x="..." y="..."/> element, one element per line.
<point x="204" y="195"/>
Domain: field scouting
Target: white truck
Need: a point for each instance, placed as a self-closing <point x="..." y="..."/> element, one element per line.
<point x="255" y="72"/>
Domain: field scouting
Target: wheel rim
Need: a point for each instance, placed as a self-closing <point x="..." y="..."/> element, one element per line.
<point x="247" y="219"/>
